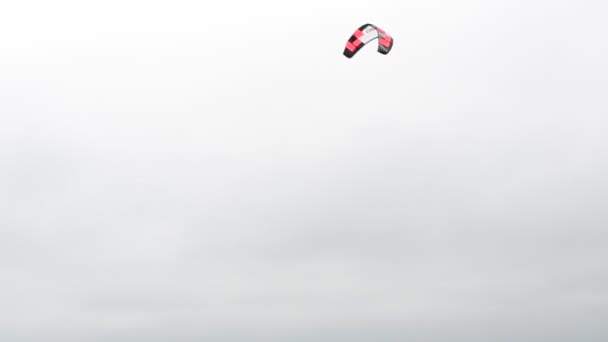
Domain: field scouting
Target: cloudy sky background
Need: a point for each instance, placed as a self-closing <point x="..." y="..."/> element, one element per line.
<point x="198" y="171"/>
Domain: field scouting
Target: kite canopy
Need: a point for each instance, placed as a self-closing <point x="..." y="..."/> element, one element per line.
<point x="366" y="34"/>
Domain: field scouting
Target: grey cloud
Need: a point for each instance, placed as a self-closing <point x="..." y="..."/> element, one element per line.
<point x="220" y="172"/>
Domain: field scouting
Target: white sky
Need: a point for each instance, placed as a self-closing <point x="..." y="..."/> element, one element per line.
<point x="193" y="171"/>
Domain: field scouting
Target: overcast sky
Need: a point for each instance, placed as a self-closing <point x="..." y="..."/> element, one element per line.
<point x="218" y="171"/>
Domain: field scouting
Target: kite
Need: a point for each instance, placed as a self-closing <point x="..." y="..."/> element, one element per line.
<point x="366" y="34"/>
